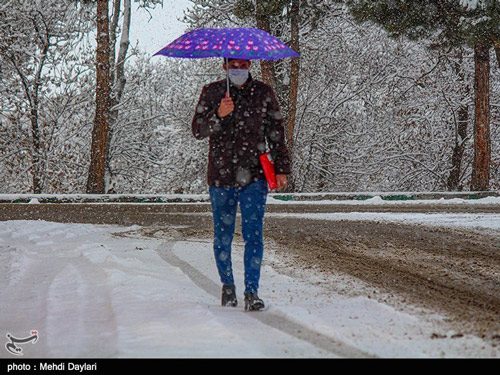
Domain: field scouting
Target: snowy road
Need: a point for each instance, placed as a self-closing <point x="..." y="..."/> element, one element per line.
<point x="90" y="293"/>
<point x="109" y="291"/>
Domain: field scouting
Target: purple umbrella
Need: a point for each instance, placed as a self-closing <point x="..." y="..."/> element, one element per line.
<point x="234" y="43"/>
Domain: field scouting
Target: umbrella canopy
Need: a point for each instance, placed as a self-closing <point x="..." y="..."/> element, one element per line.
<point x="234" y="43"/>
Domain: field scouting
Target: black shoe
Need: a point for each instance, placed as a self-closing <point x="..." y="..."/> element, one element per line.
<point x="253" y="302"/>
<point x="229" y="296"/>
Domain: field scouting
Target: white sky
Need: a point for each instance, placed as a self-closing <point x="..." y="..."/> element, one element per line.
<point x="155" y="31"/>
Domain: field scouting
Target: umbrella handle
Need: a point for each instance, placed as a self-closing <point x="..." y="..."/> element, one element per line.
<point x="228" y="94"/>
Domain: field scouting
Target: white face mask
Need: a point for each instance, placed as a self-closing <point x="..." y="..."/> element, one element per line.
<point x="238" y="76"/>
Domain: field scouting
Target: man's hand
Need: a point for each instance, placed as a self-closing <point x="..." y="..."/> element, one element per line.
<point x="226" y="106"/>
<point x="282" y="181"/>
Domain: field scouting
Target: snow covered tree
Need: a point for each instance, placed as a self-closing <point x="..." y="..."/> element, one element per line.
<point x="212" y="13"/>
<point x="461" y="119"/>
<point x="118" y="80"/>
<point x="37" y="39"/>
<point x="153" y="149"/>
<point x="373" y="112"/>
<point x="117" y="66"/>
<point x="448" y="23"/>
<point x="286" y="19"/>
<point x="111" y="81"/>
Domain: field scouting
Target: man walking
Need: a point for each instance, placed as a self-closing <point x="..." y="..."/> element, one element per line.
<point x="240" y="127"/>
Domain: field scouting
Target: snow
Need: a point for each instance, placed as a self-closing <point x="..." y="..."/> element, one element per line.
<point x="459" y="220"/>
<point x="103" y="198"/>
<point x="472" y="4"/>
<point x="379" y="200"/>
<point x="108" y="291"/>
<point x="338" y="198"/>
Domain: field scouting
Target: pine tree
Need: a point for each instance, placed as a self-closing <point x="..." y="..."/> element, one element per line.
<point x="448" y="23"/>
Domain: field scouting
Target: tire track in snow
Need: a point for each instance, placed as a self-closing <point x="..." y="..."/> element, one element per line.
<point x="66" y="299"/>
<point x="268" y="318"/>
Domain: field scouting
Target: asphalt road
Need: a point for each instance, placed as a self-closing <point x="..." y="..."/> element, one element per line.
<point x="455" y="272"/>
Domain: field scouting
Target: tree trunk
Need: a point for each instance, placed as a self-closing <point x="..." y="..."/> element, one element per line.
<point x="36" y="151"/>
<point x="33" y="99"/>
<point x="31" y="95"/>
<point x="95" y="181"/>
<point x="294" y="81"/>
<point x="36" y="136"/>
<point x="497" y="51"/>
<point x="453" y="183"/>
<point x="294" y="72"/>
<point x="482" y="142"/>
<point x="122" y="53"/>
<point x="458" y="150"/>
<point x="118" y="87"/>
<point x="113" y="28"/>
<point x="263" y="22"/>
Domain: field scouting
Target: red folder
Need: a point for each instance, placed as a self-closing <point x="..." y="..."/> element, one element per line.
<point x="268" y="168"/>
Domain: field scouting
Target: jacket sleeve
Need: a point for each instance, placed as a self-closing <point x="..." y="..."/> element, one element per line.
<point x="205" y="121"/>
<point x="275" y="135"/>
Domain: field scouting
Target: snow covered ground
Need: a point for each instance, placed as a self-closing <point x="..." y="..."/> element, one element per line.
<point x="379" y="200"/>
<point x="480" y="221"/>
<point x="107" y="291"/>
<point x="337" y="198"/>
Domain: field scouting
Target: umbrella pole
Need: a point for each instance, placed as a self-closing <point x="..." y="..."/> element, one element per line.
<point x="227" y="76"/>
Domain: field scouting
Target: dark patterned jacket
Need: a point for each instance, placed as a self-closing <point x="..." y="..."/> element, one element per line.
<point x="237" y="140"/>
